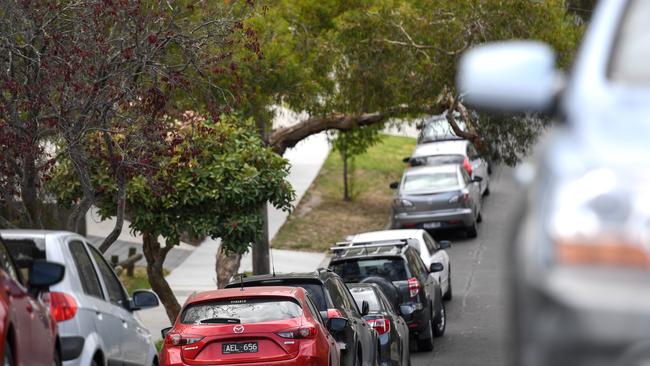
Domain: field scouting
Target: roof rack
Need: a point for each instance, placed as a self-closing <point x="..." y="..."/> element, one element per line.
<point x="346" y="245"/>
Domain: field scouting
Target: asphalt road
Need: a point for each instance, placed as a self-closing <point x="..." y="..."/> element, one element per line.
<point x="477" y="315"/>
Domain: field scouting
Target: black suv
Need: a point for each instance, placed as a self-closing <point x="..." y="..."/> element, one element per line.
<point x="397" y="268"/>
<point x="358" y="341"/>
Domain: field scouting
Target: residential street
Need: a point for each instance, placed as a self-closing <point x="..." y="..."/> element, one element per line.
<point x="477" y="315"/>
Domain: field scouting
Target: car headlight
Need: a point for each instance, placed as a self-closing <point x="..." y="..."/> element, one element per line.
<point x="601" y="219"/>
<point x="398" y="202"/>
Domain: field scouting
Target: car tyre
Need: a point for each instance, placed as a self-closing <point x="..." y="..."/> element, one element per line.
<point x="479" y="218"/>
<point x="427" y="343"/>
<point x="441" y="322"/>
<point x="9" y="355"/>
<point x="448" y="294"/>
<point x="471" y="231"/>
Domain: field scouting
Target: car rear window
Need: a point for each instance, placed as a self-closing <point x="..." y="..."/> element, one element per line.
<point x="246" y="310"/>
<point x="24" y="252"/>
<point x="356" y="270"/>
<point x="367" y="294"/>
<point x="429" y="182"/>
<point x="315" y="290"/>
<point x="439" y="129"/>
<point x="437" y="160"/>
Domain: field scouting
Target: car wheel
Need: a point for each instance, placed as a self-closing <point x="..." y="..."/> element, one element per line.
<point x="441" y="322"/>
<point x="479" y="218"/>
<point x="357" y="361"/>
<point x="427" y="343"/>
<point x="9" y="355"/>
<point x="487" y="191"/>
<point x="448" y="294"/>
<point x="472" y="231"/>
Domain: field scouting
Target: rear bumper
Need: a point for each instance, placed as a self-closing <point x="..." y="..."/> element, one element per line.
<point x="298" y="361"/>
<point x="446" y="218"/>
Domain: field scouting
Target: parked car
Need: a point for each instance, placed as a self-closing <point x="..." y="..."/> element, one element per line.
<point x="430" y="250"/>
<point x="264" y="325"/>
<point x="29" y="333"/>
<point x="460" y="152"/>
<point x="398" y="269"/>
<point x="437" y="197"/>
<point x="385" y="318"/>
<point x="580" y="252"/>
<point x="358" y="341"/>
<point x="96" y="320"/>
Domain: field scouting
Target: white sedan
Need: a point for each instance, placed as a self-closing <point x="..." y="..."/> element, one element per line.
<point x="430" y="250"/>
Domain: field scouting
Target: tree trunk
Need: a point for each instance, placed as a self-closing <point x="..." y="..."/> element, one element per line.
<point x="226" y="267"/>
<point x="29" y="193"/>
<point x="346" y="192"/>
<point x="119" y="218"/>
<point x="155" y="256"/>
<point x="261" y="247"/>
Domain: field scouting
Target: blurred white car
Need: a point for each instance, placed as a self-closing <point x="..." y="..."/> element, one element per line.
<point x="581" y="247"/>
<point x="430" y="251"/>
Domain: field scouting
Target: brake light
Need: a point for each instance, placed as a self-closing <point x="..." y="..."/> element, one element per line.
<point x="298" y="333"/>
<point x="334" y="313"/>
<point x="175" y="339"/>
<point x="62" y="306"/>
<point x="467" y="166"/>
<point x="613" y="254"/>
<point x="381" y="325"/>
<point x="463" y="197"/>
<point x="414" y="286"/>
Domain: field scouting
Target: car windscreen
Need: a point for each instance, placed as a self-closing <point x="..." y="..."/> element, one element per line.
<point x="355" y="270"/>
<point x="629" y="60"/>
<point x="315" y="290"/>
<point x="429" y="182"/>
<point x="367" y="294"/>
<point x="437" y="160"/>
<point x="242" y="310"/>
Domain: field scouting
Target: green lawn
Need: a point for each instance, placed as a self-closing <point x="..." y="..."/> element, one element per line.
<point x="323" y="218"/>
<point x="138" y="281"/>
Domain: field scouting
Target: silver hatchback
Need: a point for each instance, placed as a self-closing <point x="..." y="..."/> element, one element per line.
<point x="96" y="320"/>
<point x="437" y="197"/>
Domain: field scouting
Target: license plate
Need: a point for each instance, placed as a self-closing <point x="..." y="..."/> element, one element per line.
<point x="431" y="225"/>
<point x="239" y="347"/>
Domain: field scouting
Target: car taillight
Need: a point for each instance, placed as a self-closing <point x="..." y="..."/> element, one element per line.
<point x="381" y="325"/>
<point x="463" y="197"/>
<point x="334" y="313"/>
<point x="467" y="166"/>
<point x="62" y="306"/>
<point x="298" y="333"/>
<point x="414" y="286"/>
<point x="175" y="339"/>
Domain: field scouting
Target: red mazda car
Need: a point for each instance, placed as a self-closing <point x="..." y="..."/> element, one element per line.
<point x="28" y="334"/>
<point x="262" y="325"/>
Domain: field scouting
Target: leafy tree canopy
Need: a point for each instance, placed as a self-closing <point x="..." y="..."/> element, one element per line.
<point x="211" y="184"/>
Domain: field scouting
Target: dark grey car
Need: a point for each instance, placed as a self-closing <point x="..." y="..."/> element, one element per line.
<point x="437" y="197"/>
<point x="384" y="317"/>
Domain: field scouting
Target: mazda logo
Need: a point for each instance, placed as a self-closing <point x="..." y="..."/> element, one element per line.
<point x="238" y="329"/>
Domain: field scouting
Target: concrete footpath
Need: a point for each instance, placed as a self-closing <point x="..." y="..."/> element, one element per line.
<point x="197" y="271"/>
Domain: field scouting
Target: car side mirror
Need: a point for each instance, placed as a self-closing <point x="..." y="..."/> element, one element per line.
<point x="444" y="244"/>
<point x="336" y="324"/>
<point x="164" y="331"/>
<point x="515" y="76"/>
<point x="393" y="185"/>
<point x="43" y="274"/>
<point x="406" y="310"/>
<point x="406" y="159"/>
<point x="477" y="179"/>
<point x="144" y="299"/>
<point x="365" y="308"/>
<point x="436" y="267"/>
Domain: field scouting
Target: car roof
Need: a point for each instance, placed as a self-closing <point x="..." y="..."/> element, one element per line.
<point x="32" y="234"/>
<point x="235" y="292"/>
<point x="428" y="169"/>
<point x="446" y="147"/>
<point x="381" y="235"/>
<point x="315" y="276"/>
